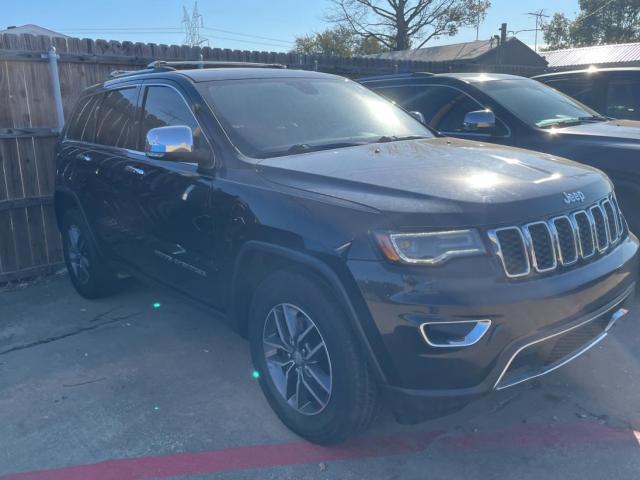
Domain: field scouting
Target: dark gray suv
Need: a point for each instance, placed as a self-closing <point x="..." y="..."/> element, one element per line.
<point x="365" y="257"/>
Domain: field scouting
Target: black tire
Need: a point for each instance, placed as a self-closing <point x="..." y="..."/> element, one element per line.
<point x="94" y="279"/>
<point x="351" y="404"/>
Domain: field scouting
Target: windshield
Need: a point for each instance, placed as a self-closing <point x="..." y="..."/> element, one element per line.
<point x="537" y="104"/>
<point x="278" y="116"/>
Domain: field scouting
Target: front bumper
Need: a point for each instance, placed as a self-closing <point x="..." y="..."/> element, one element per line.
<point x="538" y="324"/>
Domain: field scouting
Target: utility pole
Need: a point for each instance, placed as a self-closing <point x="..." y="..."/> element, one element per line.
<point x="478" y="22"/>
<point x="539" y="22"/>
<point x="191" y="25"/>
<point x="503" y="34"/>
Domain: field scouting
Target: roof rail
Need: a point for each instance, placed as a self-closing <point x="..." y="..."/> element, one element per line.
<point x="389" y="76"/>
<point x="186" y="64"/>
<point x="169" y="66"/>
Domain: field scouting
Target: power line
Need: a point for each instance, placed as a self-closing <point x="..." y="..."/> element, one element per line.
<point x="580" y="19"/>
<point x="166" y="32"/>
<point x="177" y="29"/>
<point x="288" y="42"/>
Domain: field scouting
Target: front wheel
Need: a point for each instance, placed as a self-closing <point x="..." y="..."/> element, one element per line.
<point x="312" y="370"/>
<point x="89" y="273"/>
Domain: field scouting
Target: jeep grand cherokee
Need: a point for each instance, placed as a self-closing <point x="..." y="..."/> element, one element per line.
<point x="365" y="257"/>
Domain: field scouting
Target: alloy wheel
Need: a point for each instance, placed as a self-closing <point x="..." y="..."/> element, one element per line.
<point x="297" y="359"/>
<point x="78" y="254"/>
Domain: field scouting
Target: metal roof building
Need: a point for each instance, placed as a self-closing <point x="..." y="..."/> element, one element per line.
<point x="621" y="55"/>
<point x="480" y="52"/>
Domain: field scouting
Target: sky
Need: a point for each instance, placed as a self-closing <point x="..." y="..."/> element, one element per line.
<point x="270" y="25"/>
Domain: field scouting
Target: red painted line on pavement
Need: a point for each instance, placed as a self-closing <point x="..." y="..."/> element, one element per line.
<point x="264" y="456"/>
<point x="239" y="458"/>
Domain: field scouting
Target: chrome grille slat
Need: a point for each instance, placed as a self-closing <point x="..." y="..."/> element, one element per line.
<point x="600" y="228"/>
<point x="586" y="237"/>
<point x="619" y="219"/>
<point x="610" y="220"/>
<point x="511" y="251"/>
<point x="566" y="240"/>
<point x="541" y="246"/>
<point x="546" y="245"/>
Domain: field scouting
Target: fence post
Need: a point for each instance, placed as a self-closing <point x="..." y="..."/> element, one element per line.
<point x="55" y="84"/>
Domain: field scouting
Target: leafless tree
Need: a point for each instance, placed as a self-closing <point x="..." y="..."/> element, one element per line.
<point x="403" y="24"/>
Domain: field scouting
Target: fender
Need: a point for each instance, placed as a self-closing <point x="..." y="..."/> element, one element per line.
<point x="325" y="273"/>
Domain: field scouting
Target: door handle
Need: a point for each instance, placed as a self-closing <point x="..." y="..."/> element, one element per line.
<point x="134" y="170"/>
<point x="84" y="157"/>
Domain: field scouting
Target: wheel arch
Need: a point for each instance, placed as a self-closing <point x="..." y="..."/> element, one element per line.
<point x="64" y="199"/>
<point x="257" y="259"/>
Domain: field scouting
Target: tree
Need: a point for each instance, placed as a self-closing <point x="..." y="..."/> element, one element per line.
<point x="599" y="22"/>
<point x="557" y="33"/>
<point x="401" y="24"/>
<point x="338" y="41"/>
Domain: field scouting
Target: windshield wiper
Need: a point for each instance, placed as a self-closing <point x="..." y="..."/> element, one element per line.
<point x="397" y="138"/>
<point x="566" y="122"/>
<point x="593" y="118"/>
<point x="306" y="147"/>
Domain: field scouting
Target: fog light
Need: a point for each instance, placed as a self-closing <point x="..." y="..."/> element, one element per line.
<point x="462" y="333"/>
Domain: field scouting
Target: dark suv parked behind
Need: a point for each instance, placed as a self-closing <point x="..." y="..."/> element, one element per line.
<point x="362" y="255"/>
<point x="521" y="112"/>
<point x="614" y="92"/>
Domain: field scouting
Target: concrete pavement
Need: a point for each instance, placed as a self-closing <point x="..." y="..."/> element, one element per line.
<point x="144" y="385"/>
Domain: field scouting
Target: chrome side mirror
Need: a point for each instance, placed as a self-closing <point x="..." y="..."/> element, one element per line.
<point x="479" y="120"/>
<point x="417" y="115"/>
<point x="169" y="142"/>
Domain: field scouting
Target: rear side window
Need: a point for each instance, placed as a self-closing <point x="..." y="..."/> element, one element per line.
<point x="623" y="98"/>
<point x="444" y="108"/>
<point x="117" y="119"/>
<point x="582" y="89"/>
<point x="83" y="125"/>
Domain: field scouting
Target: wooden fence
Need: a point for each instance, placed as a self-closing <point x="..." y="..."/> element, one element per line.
<point x="29" y="241"/>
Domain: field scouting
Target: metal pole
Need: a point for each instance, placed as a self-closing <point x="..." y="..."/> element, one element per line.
<point x="55" y="83"/>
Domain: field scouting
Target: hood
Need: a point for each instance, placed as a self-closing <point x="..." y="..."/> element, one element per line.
<point x="612" y="130"/>
<point x="456" y="182"/>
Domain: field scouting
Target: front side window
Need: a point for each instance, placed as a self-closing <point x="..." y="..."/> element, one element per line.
<point x="117" y="124"/>
<point x="623" y="98"/>
<point x="537" y="104"/>
<point x="444" y="108"/>
<point x="165" y="107"/>
<point x="279" y="116"/>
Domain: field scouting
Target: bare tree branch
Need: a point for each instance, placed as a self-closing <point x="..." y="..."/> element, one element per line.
<point x="399" y="23"/>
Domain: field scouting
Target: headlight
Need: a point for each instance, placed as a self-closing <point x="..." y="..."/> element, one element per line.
<point x="430" y="248"/>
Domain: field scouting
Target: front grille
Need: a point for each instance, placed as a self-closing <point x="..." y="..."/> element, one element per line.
<point x="562" y="241"/>
<point x="567" y="240"/>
